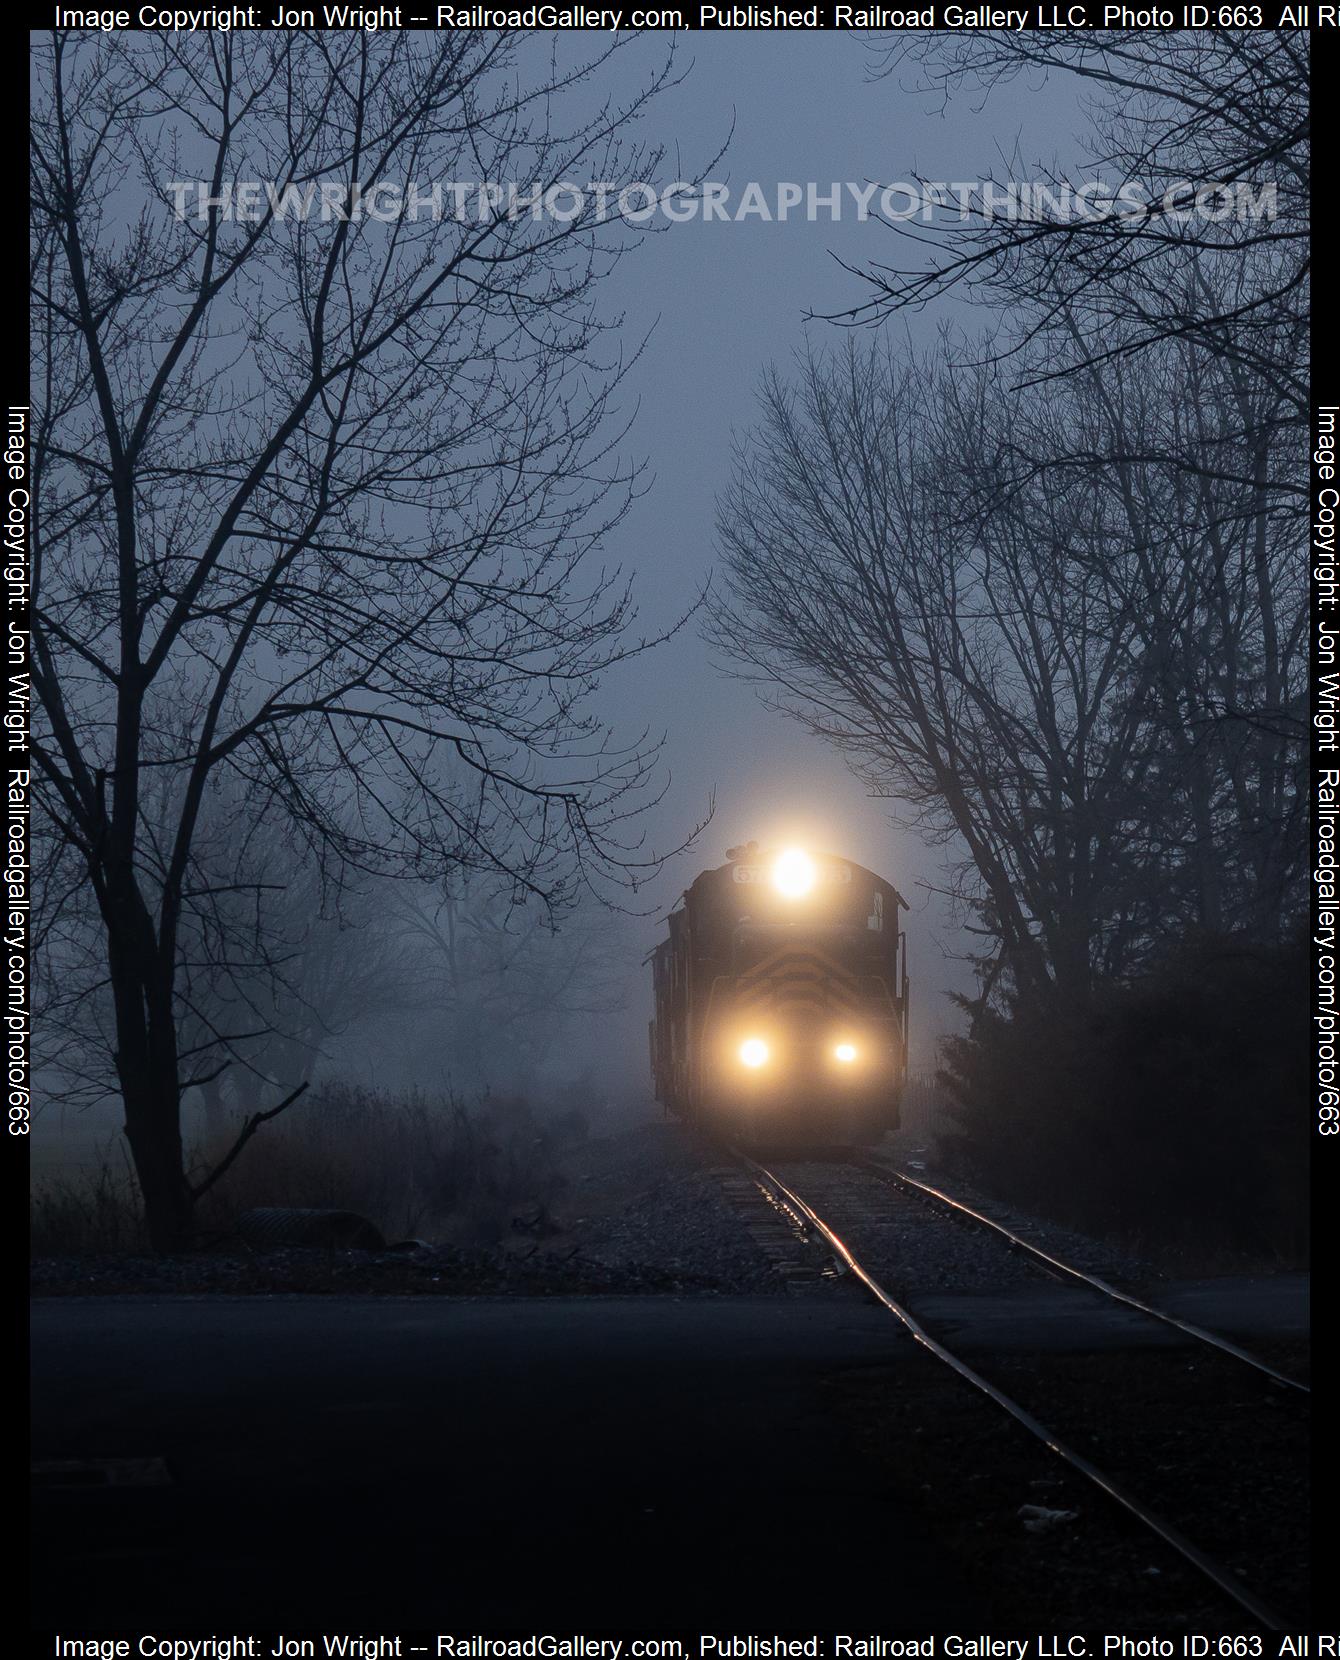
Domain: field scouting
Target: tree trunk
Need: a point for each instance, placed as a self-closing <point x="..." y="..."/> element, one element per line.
<point x="154" y="1132"/>
<point x="146" y="1065"/>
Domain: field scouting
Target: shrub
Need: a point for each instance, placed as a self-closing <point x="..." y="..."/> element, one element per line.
<point x="1168" y="1110"/>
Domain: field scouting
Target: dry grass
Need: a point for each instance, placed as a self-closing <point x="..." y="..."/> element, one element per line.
<point x="416" y="1167"/>
<point x="93" y="1212"/>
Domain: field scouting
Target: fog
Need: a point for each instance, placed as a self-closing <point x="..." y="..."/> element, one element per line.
<point x="715" y="304"/>
<point x="723" y="301"/>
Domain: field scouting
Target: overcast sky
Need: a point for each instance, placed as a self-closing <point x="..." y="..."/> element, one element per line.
<point x="727" y="300"/>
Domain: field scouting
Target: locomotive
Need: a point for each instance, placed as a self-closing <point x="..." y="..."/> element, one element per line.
<point x="781" y="998"/>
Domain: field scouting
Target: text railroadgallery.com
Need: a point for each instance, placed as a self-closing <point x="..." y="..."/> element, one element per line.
<point x="1186" y="14"/>
<point x="1186" y="1645"/>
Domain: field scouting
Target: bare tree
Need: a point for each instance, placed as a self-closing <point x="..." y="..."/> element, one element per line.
<point x="1201" y="234"/>
<point x="1037" y="662"/>
<point x="277" y="954"/>
<point x="1196" y="465"/>
<point x="319" y="959"/>
<point x="316" y="491"/>
<point x="1167" y="316"/>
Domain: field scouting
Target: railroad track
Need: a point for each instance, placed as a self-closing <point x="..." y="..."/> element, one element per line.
<point x="853" y="1219"/>
<point x="1056" y="1265"/>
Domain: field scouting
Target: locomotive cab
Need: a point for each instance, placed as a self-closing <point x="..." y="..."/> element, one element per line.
<point x="781" y="1000"/>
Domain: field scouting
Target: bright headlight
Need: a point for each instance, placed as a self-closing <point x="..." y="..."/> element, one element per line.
<point x="793" y="873"/>
<point x="846" y="1053"/>
<point x="753" y="1052"/>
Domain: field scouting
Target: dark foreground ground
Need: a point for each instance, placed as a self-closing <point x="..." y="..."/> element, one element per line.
<point x="457" y="1463"/>
<point x="674" y="1416"/>
<point x="469" y="1463"/>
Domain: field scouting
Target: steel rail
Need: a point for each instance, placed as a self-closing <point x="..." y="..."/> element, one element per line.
<point x="889" y="1174"/>
<point x="1218" y="1576"/>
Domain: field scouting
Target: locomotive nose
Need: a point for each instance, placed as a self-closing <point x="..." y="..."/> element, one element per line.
<point x="781" y="998"/>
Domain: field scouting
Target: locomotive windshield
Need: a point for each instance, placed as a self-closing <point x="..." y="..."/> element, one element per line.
<point x="753" y="941"/>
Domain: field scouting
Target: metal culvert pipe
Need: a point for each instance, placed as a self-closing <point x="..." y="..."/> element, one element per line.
<point x="286" y="1225"/>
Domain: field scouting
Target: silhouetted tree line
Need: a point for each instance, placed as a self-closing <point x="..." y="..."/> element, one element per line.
<point x="1043" y="589"/>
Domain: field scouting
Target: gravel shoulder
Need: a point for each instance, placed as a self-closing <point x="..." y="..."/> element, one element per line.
<point x="1110" y="1259"/>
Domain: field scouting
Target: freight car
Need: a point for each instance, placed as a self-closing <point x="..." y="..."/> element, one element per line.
<point x="781" y="997"/>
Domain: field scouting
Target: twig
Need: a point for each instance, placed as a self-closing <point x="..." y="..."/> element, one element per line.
<point x="248" y="1130"/>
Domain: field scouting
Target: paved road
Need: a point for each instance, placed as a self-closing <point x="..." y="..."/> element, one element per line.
<point x="458" y="1463"/>
<point x="452" y="1463"/>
